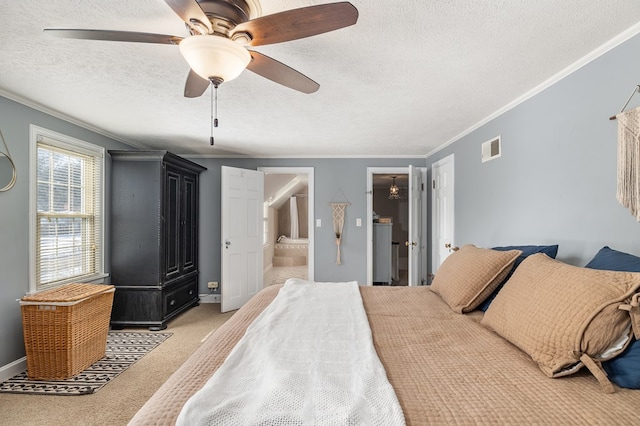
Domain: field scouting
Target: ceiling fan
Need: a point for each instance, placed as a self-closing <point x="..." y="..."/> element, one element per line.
<point x="219" y="31"/>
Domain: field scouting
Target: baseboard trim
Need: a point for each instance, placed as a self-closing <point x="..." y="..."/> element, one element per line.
<point x="10" y="370"/>
<point x="209" y="298"/>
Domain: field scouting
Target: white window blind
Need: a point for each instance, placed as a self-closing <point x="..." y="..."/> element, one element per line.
<point x="69" y="220"/>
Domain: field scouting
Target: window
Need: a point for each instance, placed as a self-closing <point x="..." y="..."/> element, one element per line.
<point x="67" y="210"/>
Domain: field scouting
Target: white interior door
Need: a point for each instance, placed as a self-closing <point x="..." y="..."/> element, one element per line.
<point x="415" y="243"/>
<point x="442" y="173"/>
<point x="242" y="255"/>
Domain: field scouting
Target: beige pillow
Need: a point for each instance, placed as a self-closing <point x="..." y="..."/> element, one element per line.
<point x="468" y="276"/>
<point x="557" y="313"/>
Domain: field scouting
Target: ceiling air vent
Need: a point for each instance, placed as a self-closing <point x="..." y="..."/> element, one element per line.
<point x="491" y="149"/>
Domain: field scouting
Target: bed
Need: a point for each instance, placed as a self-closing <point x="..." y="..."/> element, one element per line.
<point x="446" y="366"/>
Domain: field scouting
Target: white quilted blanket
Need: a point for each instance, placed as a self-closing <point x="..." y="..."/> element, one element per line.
<point x="308" y="359"/>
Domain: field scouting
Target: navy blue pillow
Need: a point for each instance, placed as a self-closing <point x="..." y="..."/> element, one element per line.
<point x="623" y="370"/>
<point x="550" y="251"/>
<point x="614" y="260"/>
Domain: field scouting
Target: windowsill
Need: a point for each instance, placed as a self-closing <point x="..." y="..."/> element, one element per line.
<point x="89" y="279"/>
<point x="99" y="279"/>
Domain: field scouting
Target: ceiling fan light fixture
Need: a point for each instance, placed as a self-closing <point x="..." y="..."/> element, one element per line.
<point x="212" y="56"/>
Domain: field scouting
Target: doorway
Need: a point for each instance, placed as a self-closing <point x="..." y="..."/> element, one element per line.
<point x="390" y="225"/>
<point x="288" y="217"/>
<point x="396" y="226"/>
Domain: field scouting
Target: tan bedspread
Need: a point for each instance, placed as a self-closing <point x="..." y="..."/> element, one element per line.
<point x="445" y="368"/>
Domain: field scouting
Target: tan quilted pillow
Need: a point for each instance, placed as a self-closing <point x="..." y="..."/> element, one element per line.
<point x="468" y="276"/>
<point x="557" y="313"/>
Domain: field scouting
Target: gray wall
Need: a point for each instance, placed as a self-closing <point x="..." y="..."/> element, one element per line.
<point x="556" y="179"/>
<point x="14" y="216"/>
<point x="330" y="177"/>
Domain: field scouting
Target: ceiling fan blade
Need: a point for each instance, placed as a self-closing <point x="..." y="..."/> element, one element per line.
<point x="188" y="10"/>
<point x="280" y="73"/>
<point x="195" y="85"/>
<point x="113" y="36"/>
<point x="298" y="23"/>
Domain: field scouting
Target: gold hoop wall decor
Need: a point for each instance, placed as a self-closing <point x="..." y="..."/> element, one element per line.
<point x="7" y="167"/>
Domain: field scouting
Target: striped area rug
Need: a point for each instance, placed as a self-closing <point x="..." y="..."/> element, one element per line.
<point x="124" y="348"/>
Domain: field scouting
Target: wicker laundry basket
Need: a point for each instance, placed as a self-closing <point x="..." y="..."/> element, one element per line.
<point x="65" y="329"/>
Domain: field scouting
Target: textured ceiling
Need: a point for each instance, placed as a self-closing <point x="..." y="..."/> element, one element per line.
<point x="278" y="187"/>
<point x="410" y="76"/>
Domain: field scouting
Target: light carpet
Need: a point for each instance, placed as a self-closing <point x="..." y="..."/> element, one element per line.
<point x="123" y="350"/>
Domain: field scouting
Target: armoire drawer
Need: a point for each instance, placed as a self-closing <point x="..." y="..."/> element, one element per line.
<point x="179" y="296"/>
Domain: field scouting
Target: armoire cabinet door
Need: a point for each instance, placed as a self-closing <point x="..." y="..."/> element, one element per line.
<point x="172" y="224"/>
<point x="190" y="219"/>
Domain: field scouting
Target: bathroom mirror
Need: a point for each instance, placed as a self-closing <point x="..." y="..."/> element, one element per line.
<point x="7" y="168"/>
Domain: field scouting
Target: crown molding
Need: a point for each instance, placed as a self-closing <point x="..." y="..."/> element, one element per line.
<point x="595" y="54"/>
<point x="57" y="114"/>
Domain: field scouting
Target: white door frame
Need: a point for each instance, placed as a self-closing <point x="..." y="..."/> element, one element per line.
<point x="391" y="170"/>
<point x="416" y="240"/>
<point x="311" y="216"/>
<point x="435" y="244"/>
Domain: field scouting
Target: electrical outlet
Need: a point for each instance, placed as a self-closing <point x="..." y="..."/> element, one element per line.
<point x="212" y="284"/>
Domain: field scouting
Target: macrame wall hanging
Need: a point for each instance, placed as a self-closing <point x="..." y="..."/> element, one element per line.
<point x="338" y="213"/>
<point x="628" y="191"/>
<point x="338" y="225"/>
<point x="628" y="174"/>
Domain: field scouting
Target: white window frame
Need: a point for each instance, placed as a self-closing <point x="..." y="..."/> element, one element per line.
<point x="62" y="141"/>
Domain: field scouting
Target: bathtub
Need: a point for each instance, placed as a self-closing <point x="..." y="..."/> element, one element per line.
<point x="290" y="251"/>
<point x="283" y="239"/>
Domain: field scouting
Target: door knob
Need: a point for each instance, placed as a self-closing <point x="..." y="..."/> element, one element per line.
<point x="227" y="243"/>
<point x="407" y="243"/>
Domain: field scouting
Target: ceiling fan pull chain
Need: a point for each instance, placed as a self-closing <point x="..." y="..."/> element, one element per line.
<point x="214" y="119"/>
